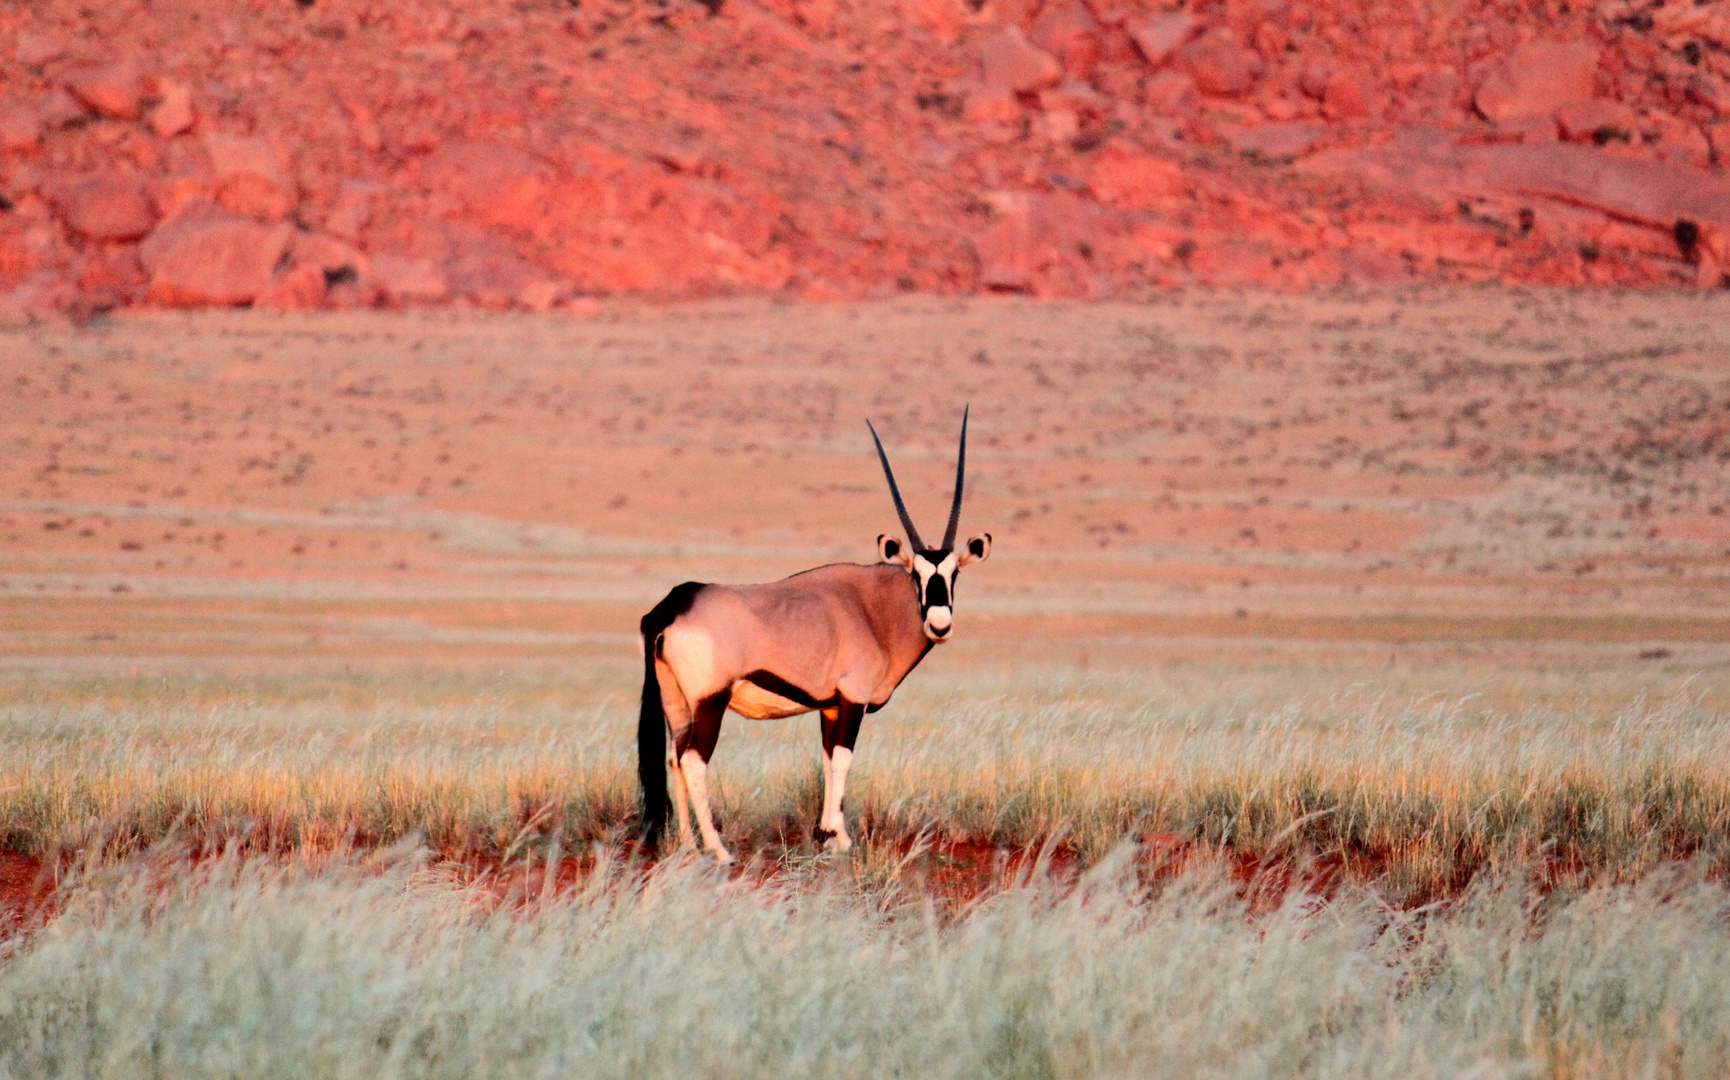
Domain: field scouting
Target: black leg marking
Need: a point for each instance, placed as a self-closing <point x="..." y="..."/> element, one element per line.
<point x="705" y="729"/>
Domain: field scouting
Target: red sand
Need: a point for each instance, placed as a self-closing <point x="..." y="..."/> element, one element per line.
<point x="344" y="153"/>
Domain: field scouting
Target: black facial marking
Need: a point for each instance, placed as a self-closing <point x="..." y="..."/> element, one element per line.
<point x="937" y="592"/>
<point x="976" y="547"/>
<point x="891" y="548"/>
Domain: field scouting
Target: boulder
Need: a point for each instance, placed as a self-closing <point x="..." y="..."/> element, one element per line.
<point x="1007" y="259"/>
<point x="114" y="91"/>
<point x="1596" y="120"/>
<point x="332" y="257"/>
<point x="213" y="258"/>
<point x="991" y="105"/>
<point x="1158" y="38"/>
<point x="252" y="176"/>
<point x="1221" y="66"/>
<point x="1538" y="78"/>
<point x="1705" y="90"/>
<point x="1069" y="32"/>
<point x="1128" y="178"/>
<point x="20" y="128"/>
<point x="1008" y="61"/>
<point x="491" y="182"/>
<point x="59" y="109"/>
<point x="33" y="50"/>
<point x="1343" y="97"/>
<point x="173" y="114"/>
<point x="108" y="208"/>
<point x="1169" y="93"/>
<point x="299" y="288"/>
<point x="407" y="280"/>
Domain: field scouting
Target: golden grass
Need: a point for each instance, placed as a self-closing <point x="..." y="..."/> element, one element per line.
<point x="1417" y="779"/>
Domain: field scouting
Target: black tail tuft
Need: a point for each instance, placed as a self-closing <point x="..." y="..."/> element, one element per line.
<point x="652" y="715"/>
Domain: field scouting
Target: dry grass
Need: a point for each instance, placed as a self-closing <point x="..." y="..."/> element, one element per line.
<point x="264" y="970"/>
<point x="1416" y="780"/>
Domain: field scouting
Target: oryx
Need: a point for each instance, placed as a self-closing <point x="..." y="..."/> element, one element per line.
<point x="838" y="639"/>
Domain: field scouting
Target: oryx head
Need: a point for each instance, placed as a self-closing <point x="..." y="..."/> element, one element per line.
<point x="932" y="568"/>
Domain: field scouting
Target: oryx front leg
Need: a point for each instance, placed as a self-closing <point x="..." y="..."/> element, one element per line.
<point x="840" y="731"/>
<point x="694" y="754"/>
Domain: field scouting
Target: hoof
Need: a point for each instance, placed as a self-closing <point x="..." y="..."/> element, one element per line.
<point x="821" y="836"/>
<point x="723" y="857"/>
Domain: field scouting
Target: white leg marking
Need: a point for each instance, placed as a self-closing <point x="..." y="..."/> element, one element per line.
<point x="834" y="788"/>
<point x="696" y="772"/>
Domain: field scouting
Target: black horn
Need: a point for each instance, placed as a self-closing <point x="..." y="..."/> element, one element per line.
<point x="960" y="474"/>
<point x="895" y="493"/>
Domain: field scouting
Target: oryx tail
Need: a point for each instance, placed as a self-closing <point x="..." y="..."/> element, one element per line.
<point x="652" y="714"/>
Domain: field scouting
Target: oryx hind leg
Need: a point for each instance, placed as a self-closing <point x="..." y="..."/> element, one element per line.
<point x="678" y="713"/>
<point x="840" y="731"/>
<point x="694" y="751"/>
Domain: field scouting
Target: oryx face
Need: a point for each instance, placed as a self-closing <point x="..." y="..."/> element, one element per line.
<point x="933" y="569"/>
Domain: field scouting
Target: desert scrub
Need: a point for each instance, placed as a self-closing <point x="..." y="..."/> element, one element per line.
<point x="1420" y="780"/>
<point x="259" y="969"/>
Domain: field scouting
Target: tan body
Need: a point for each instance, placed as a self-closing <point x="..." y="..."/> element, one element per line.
<point x="843" y="632"/>
<point x="838" y="639"/>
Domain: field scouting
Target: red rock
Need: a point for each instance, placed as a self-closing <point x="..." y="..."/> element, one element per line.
<point x="406" y="280"/>
<point x="20" y="129"/>
<point x="365" y="124"/>
<point x="114" y="91"/>
<point x="1008" y="61"/>
<point x="1160" y="37"/>
<point x="1596" y="120"/>
<point x="1277" y="141"/>
<point x="58" y="109"/>
<point x="495" y="183"/>
<point x="174" y="195"/>
<point x="1069" y="32"/>
<point x="109" y="208"/>
<point x="988" y="105"/>
<point x="1343" y="98"/>
<point x="300" y="288"/>
<point x="33" y="50"/>
<point x="1169" y="93"/>
<point x="1652" y="193"/>
<point x="1073" y="95"/>
<point x="330" y="255"/>
<point x="1703" y="89"/>
<point x="1128" y="178"/>
<point x="356" y="202"/>
<point x="1007" y="260"/>
<point x="173" y="114"/>
<point x="1537" y="78"/>
<point x="1221" y="66"/>
<point x="252" y="176"/>
<point x="213" y="258"/>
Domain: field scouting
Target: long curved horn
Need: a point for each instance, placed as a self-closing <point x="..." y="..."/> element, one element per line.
<point x="895" y="492"/>
<point x="960" y="474"/>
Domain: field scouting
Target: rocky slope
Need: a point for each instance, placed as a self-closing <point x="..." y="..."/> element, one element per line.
<point x="532" y="154"/>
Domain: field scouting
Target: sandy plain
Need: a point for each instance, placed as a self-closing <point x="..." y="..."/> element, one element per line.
<point x="1467" y="470"/>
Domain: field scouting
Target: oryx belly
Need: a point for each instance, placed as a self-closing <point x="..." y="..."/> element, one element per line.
<point x="755" y="703"/>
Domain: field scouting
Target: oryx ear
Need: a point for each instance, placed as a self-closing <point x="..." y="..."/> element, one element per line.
<point x="975" y="550"/>
<point x="894" y="551"/>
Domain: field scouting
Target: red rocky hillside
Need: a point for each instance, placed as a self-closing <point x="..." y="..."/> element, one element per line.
<point x="529" y="154"/>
